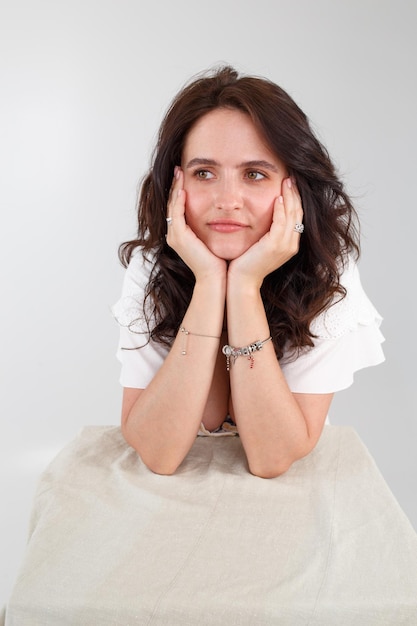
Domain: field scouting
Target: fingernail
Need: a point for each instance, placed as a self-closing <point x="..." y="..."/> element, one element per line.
<point x="177" y="172"/>
<point x="281" y="199"/>
<point x="289" y="182"/>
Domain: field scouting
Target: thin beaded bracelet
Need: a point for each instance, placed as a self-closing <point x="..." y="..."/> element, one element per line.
<point x="232" y="353"/>
<point x="185" y="334"/>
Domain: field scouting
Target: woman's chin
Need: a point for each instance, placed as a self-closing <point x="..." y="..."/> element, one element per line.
<point x="228" y="252"/>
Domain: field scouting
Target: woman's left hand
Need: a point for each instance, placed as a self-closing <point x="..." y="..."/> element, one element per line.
<point x="278" y="245"/>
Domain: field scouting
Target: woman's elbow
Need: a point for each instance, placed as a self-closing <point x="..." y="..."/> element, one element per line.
<point x="159" y="464"/>
<point x="157" y="461"/>
<point x="276" y="467"/>
<point x="269" y="471"/>
<point x="161" y="469"/>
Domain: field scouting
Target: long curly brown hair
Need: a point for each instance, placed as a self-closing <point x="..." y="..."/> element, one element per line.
<point x="304" y="286"/>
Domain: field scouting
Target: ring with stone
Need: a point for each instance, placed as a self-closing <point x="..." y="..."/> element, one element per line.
<point x="299" y="228"/>
<point x="169" y="221"/>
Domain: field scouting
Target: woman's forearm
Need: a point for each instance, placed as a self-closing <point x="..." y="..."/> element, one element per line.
<point x="271" y="424"/>
<point x="164" y="421"/>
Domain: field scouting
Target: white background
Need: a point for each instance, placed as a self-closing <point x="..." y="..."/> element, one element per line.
<point x="84" y="84"/>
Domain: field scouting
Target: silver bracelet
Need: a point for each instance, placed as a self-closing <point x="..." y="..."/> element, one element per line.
<point x="185" y="334"/>
<point x="232" y="353"/>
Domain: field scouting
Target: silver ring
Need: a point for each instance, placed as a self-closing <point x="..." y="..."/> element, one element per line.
<point x="169" y="221"/>
<point x="299" y="228"/>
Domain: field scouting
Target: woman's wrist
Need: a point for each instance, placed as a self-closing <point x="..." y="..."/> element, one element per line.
<point x="212" y="282"/>
<point x="246" y="317"/>
<point x="242" y="285"/>
<point x="206" y="310"/>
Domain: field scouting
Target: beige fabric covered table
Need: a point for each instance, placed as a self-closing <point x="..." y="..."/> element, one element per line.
<point x="111" y="543"/>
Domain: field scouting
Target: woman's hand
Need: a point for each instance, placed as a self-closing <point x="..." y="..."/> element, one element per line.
<point x="184" y="241"/>
<point x="278" y="245"/>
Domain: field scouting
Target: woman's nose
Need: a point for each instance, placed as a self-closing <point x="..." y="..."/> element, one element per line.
<point x="229" y="195"/>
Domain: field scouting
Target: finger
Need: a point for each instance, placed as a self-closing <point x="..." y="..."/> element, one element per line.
<point x="176" y="212"/>
<point x="176" y="207"/>
<point x="174" y="180"/>
<point x="292" y="198"/>
<point x="173" y="192"/>
<point x="292" y="202"/>
<point x="278" y="215"/>
<point x="293" y="214"/>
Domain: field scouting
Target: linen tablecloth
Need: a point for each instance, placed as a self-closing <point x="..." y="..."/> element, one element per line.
<point x="111" y="543"/>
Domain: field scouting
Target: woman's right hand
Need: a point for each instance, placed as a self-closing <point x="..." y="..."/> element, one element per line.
<point x="203" y="263"/>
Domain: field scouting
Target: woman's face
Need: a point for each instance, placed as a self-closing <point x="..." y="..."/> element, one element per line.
<point x="231" y="179"/>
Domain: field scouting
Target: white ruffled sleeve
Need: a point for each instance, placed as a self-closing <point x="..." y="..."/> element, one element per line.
<point x="140" y="357"/>
<point x="348" y="339"/>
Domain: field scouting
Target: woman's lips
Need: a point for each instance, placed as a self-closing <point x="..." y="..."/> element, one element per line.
<point x="226" y="226"/>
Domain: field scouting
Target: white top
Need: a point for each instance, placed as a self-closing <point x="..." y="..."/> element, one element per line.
<point x="348" y="337"/>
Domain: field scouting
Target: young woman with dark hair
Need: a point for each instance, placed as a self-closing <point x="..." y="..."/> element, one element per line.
<point x="242" y="309"/>
<point x="242" y="313"/>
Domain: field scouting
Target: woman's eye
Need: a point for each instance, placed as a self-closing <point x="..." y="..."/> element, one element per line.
<point x="255" y="175"/>
<point x="203" y="174"/>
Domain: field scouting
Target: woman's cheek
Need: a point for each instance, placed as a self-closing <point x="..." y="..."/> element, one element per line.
<point x="190" y="216"/>
<point x="265" y="220"/>
<point x="193" y="206"/>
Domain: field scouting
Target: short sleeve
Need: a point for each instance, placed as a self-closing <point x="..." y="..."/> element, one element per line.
<point x="140" y="356"/>
<point x="347" y="339"/>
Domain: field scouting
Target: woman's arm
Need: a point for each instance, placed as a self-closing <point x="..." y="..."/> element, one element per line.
<point x="276" y="426"/>
<point x="162" y="421"/>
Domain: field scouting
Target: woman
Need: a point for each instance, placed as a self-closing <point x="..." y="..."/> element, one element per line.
<point x="241" y="297"/>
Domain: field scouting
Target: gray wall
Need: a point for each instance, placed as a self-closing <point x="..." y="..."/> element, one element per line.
<point x="84" y="85"/>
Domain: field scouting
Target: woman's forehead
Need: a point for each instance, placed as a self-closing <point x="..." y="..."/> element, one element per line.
<point x="224" y="133"/>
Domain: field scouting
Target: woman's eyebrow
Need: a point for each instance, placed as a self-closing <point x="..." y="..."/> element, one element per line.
<point x="200" y="161"/>
<point x="255" y="163"/>
<point x="262" y="164"/>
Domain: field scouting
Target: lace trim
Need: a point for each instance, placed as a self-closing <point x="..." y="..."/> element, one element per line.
<point x="228" y="428"/>
<point x="354" y="310"/>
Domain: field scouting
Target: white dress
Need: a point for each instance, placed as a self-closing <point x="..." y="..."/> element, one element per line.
<point x="325" y="544"/>
<point x="348" y="337"/>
